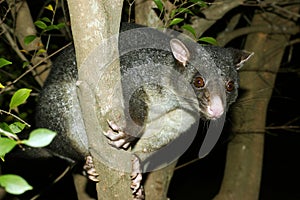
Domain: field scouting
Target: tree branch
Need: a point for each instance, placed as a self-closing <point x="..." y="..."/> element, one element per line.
<point x="278" y="7"/>
<point x="213" y="13"/>
<point x="227" y="36"/>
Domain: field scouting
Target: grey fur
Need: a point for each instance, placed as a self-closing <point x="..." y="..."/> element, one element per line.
<point x="58" y="107"/>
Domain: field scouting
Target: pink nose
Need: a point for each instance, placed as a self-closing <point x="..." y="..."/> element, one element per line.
<point x="216" y="108"/>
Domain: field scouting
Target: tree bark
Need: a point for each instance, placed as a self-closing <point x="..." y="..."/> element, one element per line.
<point x="157" y="182"/>
<point x="145" y="15"/>
<point x="93" y="22"/>
<point x="245" y="152"/>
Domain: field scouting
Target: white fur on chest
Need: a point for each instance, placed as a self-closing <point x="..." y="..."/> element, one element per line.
<point x="169" y="115"/>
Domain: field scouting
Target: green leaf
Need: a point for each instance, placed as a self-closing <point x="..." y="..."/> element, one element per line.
<point x="14" y="184"/>
<point x="176" y="21"/>
<point x="46" y="19"/>
<point x="49" y="7"/>
<point x="19" y="97"/>
<point x="159" y="5"/>
<point x="199" y="2"/>
<point x="40" y="24"/>
<point x="4" y="62"/>
<point x="173" y="12"/>
<point x="40" y="51"/>
<point x="180" y="10"/>
<point x="189" y="28"/>
<point x="55" y="27"/>
<point x="25" y="64"/>
<point x="60" y="25"/>
<point x="29" y="38"/>
<point x="5" y="127"/>
<point x="51" y="27"/>
<point x="6" y="145"/>
<point x="40" y="137"/>
<point x="185" y="10"/>
<point x="17" y="127"/>
<point x="209" y="40"/>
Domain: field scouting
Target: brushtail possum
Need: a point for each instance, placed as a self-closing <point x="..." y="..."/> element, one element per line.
<point x="167" y="81"/>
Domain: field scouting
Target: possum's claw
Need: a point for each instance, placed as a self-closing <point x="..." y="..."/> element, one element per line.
<point x="117" y="137"/>
<point x="136" y="179"/>
<point x="89" y="169"/>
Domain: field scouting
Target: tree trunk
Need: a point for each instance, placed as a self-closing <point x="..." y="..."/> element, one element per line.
<point x="145" y="15"/>
<point x="100" y="95"/>
<point x="157" y="183"/>
<point x="245" y="152"/>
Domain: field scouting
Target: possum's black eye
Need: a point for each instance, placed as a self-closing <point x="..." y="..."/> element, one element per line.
<point x="199" y="82"/>
<point x="230" y="86"/>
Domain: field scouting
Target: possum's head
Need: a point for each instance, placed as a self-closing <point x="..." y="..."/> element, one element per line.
<point x="212" y="72"/>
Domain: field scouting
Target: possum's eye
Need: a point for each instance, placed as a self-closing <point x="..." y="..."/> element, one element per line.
<point x="230" y="86"/>
<point x="199" y="82"/>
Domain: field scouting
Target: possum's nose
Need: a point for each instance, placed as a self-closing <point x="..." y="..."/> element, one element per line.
<point x="216" y="108"/>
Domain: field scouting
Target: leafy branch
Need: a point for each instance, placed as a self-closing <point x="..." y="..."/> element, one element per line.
<point x="9" y="139"/>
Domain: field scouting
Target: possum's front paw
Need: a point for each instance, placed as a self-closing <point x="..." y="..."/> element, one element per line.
<point x="89" y="169"/>
<point x="117" y="137"/>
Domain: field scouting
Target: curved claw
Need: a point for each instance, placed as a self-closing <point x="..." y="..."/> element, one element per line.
<point x="136" y="179"/>
<point x="117" y="137"/>
<point x="89" y="169"/>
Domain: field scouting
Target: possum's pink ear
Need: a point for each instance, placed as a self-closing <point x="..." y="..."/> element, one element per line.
<point x="179" y="50"/>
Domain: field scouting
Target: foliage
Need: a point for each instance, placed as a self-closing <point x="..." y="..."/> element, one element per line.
<point x="16" y="89"/>
<point x="180" y="14"/>
<point x="19" y="98"/>
<point x="8" y="140"/>
<point x="14" y="184"/>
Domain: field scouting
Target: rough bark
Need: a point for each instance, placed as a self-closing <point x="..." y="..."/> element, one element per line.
<point x="245" y="152"/>
<point x="144" y="13"/>
<point x="92" y="23"/>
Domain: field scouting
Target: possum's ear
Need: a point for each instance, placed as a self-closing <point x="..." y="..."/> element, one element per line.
<point x="241" y="57"/>
<point x="179" y="50"/>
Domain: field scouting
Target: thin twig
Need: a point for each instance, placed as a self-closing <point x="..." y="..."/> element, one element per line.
<point x="284" y="10"/>
<point x="36" y="65"/>
<point x="8" y="134"/>
<point x="5" y="14"/>
<point x="15" y="116"/>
